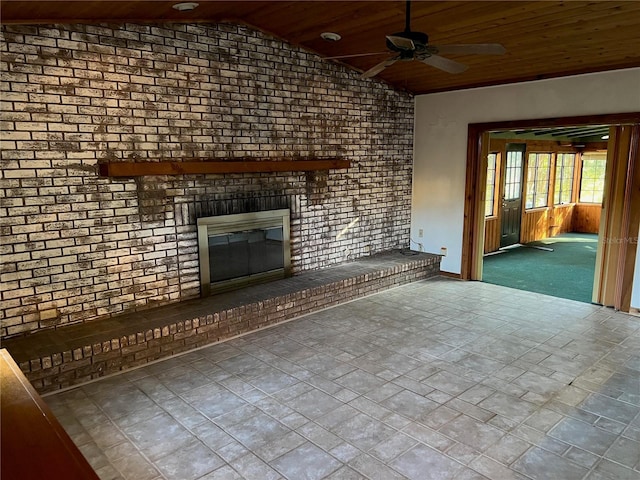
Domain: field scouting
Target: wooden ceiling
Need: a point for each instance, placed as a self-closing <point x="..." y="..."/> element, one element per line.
<point x="576" y="135"/>
<point x="543" y="39"/>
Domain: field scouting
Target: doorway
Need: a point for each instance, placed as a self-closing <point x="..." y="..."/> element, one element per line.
<point x="620" y="206"/>
<point x="552" y="186"/>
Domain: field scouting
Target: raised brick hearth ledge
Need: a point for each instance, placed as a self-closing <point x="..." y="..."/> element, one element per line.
<point x="74" y="354"/>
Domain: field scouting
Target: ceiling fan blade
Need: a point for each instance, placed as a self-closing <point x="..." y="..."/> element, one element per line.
<point x="355" y="55"/>
<point x="376" y="69"/>
<point x="470" y="48"/>
<point x="450" y="66"/>
<point x="401" y="42"/>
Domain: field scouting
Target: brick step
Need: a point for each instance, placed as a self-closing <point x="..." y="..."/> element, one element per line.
<point x="70" y="355"/>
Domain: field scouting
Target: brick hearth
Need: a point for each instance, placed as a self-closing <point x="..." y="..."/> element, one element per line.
<point x="54" y="359"/>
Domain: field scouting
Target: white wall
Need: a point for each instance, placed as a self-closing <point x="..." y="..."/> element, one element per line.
<point x="440" y="140"/>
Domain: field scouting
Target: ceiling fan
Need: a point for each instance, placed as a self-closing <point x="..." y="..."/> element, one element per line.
<point x="409" y="45"/>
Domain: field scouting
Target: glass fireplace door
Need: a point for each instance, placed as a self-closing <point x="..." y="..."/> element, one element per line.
<point x="238" y="250"/>
<point x="244" y="253"/>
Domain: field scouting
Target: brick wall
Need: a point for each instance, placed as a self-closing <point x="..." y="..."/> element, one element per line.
<point x="78" y="247"/>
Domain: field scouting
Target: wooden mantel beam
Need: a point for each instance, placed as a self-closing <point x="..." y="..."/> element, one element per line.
<point x="137" y="169"/>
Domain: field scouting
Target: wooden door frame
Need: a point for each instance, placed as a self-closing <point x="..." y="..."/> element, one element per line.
<point x="473" y="227"/>
<point x="620" y="220"/>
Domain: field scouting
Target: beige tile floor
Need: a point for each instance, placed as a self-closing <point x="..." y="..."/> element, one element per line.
<point x="438" y="379"/>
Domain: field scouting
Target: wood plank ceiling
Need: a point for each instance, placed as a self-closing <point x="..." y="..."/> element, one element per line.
<point x="543" y="39"/>
<point x="575" y="135"/>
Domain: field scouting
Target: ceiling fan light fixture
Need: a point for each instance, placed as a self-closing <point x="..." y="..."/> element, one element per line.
<point x="186" y="6"/>
<point x="330" y="36"/>
<point x="605" y="137"/>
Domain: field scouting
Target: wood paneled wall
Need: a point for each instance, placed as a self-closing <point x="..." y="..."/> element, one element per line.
<point x="491" y="234"/>
<point x="539" y="223"/>
<point x="535" y="225"/>
<point x="586" y="218"/>
<point x="546" y="222"/>
<point x="562" y="219"/>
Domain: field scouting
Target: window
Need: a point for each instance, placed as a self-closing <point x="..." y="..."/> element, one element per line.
<point x="491" y="185"/>
<point x="538" y="180"/>
<point x="592" y="182"/>
<point x="565" y="163"/>
<point x="513" y="175"/>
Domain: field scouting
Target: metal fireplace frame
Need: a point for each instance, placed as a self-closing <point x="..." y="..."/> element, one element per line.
<point x="237" y="222"/>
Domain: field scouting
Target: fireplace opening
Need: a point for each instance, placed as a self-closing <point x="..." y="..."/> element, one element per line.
<point x="243" y="249"/>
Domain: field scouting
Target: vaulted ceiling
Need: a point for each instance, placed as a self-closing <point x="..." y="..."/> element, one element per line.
<point x="543" y="39"/>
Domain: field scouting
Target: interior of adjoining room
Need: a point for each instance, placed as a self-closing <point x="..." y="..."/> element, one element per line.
<point x="543" y="207"/>
<point x="534" y="209"/>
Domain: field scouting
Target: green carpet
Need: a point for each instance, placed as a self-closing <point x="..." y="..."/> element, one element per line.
<point x="566" y="272"/>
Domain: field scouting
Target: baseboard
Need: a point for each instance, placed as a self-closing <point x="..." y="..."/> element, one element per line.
<point x="451" y="275"/>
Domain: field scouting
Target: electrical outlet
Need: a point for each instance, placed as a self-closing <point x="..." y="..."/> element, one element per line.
<point x="420" y="233"/>
<point x="443" y="251"/>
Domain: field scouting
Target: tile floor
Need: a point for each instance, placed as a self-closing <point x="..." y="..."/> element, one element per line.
<point x="438" y="379"/>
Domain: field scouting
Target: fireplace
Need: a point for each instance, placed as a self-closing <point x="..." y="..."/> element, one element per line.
<point x="243" y="249"/>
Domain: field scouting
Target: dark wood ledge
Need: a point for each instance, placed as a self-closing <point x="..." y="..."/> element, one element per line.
<point x="34" y="444"/>
<point x="137" y="169"/>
